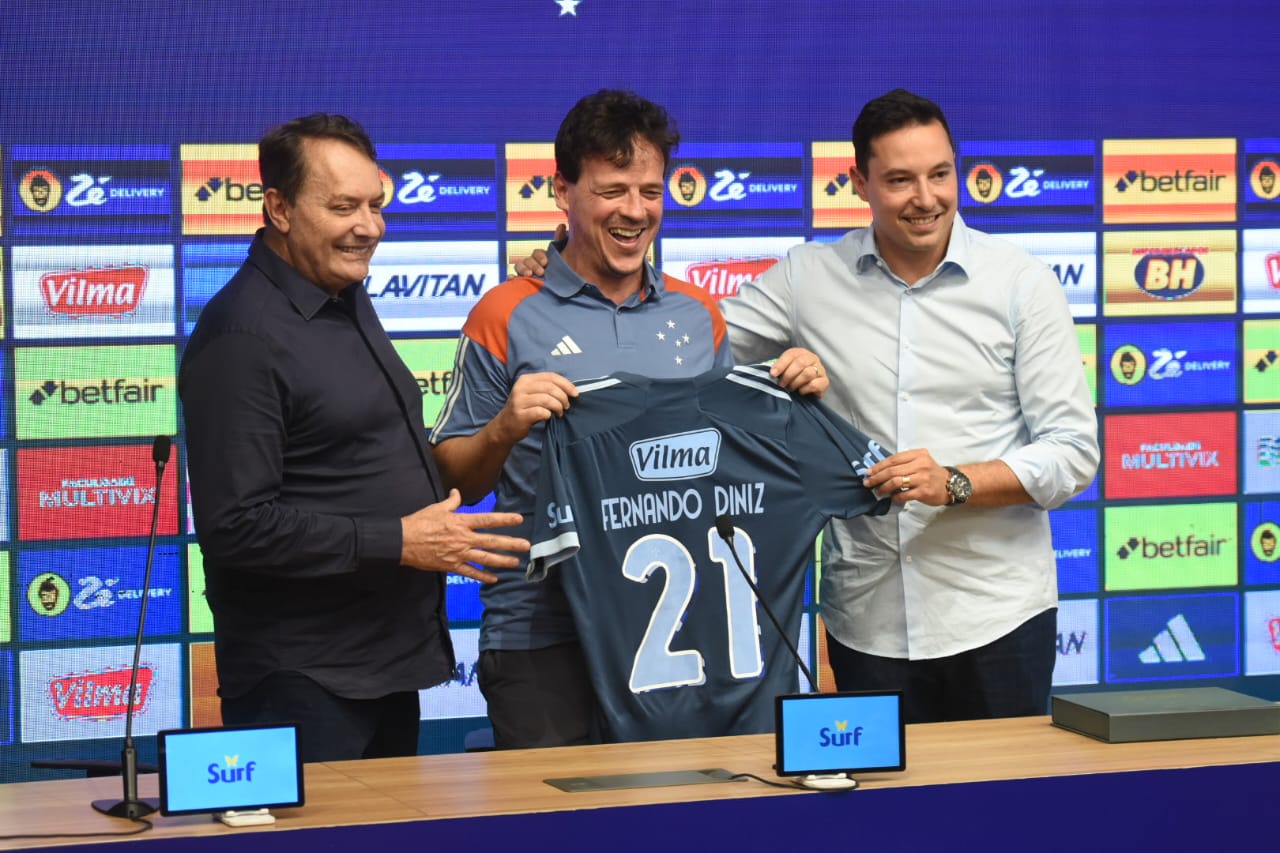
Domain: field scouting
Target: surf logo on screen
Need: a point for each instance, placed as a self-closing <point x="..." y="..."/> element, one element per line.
<point x="231" y="771"/>
<point x="839" y="734"/>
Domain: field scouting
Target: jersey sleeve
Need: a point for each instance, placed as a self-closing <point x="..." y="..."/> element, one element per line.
<point x="478" y="393"/>
<point x="555" y="531"/>
<point x="482" y="378"/>
<point x="832" y="459"/>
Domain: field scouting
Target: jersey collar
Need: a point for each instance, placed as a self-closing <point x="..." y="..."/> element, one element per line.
<point x="564" y="282"/>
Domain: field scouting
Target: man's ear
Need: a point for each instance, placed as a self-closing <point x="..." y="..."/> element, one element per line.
<point x="561" y="187"/>
<point x="277" y="210"/>
<point x="859" y="182"/>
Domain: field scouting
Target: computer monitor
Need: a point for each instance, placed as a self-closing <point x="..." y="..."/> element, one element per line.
<point x="822" y="733"/>
<point x="231" y="768"/>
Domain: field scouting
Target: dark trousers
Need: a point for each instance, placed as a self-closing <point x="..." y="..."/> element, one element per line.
<point x="330" y="727"/>
<point x="1008" y="677"/>
<point x="538" y="697"/>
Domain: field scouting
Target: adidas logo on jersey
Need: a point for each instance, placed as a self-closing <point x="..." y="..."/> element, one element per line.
<point x="1175" y="644"/>
<point x="566" y="346"/>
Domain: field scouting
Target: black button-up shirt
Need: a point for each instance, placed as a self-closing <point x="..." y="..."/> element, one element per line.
<point x="305" y="446"/>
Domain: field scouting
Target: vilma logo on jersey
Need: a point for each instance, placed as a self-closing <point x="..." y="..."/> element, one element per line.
<point x="681" y="456"/>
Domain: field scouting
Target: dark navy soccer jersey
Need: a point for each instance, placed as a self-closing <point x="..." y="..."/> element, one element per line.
<point x="633" y="478"/>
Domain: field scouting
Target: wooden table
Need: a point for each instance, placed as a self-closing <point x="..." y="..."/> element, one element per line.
<point x="990" y="784"/>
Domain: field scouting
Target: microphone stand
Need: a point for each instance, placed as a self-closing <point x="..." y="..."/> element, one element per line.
<point x="724" y="528"/>
<point x="131" y="806"/>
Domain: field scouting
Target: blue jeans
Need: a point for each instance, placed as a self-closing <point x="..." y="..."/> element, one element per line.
<point x="1008" y="677"/>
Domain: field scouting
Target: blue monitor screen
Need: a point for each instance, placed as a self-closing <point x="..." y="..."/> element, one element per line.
<point x="840" y="732"/>
<point x="214" y="770"/>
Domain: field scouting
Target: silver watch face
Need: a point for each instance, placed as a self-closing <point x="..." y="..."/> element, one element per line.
<point x="959" y="487"/>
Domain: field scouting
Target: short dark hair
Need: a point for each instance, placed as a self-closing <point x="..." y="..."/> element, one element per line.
<point x="280" y="161"/>
<point x="890" y="112"/>
<point x="606" y="124"/>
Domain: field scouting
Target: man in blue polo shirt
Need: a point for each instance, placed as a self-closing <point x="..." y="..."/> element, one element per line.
<point x="601" y="308"/>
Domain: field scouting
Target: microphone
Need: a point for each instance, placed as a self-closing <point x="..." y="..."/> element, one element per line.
<point x="131" y="806"/>
<point x="724" y="527"/>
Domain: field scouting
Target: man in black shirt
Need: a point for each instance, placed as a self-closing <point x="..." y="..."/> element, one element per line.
<point x="324" y="524"/>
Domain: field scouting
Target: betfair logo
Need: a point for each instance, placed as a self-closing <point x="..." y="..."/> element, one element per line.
<point x="1171" y="276"/>
<point x="1189" y="181"/>
<point x="1264" y="363"/>
<point x="227" y="189"/>
<point x="840" y="736"/>
<point x="435" y="382"/>
<point x="536" y="185"/>
<point x="838" y="184"/>
<point x="108" y="392"/>
<point x="1179" y="547"/>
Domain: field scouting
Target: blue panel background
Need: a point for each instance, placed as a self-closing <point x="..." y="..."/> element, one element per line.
<point x="1215" y="342"/>
<point x="455" y="82"/>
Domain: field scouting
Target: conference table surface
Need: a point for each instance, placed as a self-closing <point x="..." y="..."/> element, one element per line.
<point x="488" y="784"/>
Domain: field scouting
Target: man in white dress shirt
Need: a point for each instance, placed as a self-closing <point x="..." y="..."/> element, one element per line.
<point x="961" y="347"/>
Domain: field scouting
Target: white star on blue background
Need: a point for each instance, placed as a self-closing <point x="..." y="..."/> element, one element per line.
<point x="568" y="7"/>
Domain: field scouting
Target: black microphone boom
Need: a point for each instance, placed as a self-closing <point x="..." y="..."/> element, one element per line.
<point x="131" y="806"/>
<point x="724" y="527"/>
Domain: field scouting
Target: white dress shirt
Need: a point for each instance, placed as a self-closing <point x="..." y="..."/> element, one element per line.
<point x="977" y="361"/>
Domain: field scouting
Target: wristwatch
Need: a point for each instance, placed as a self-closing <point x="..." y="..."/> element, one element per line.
<point x="958" y="486"/>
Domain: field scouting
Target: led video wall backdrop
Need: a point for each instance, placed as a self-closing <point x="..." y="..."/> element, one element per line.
<point x="1133" y="148"/>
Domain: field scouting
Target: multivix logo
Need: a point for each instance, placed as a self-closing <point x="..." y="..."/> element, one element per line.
<point x="680" y="456"/>
<point x="840" y="735"/>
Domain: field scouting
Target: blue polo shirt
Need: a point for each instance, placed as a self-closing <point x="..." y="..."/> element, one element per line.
<point x="667" y="330"/>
